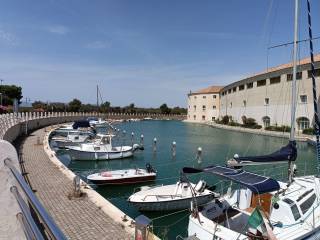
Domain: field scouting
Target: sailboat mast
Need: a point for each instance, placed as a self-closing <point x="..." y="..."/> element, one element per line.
<point x="97" y="96"/>
<point x="294" y="90"/>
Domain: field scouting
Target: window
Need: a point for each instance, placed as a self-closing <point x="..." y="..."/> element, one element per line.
<point x="275" y="80"/>
<point x="244" y="103"/>
<point x="303" y="99"/>
<point x="298" y="76"/>
<point x="306" y="205"/>
<point x="249" y="85"/>
<point x="195" y="97"/>
<point x="204" y="97"/>
<point x="203" y="107"/>
<point x="203" y="117"/>
<point x="189" y="106"/>
<point x="294" y="208"/>
<point x="241" y="87"/>
<point x="261" y="83"/>
<point x="213" y="118"/>
<point x="194" y="117"/>
<point x="222" y="93"/>
<point x="234" y="89"/>
<point x="229" y="91"/>
<point x="214" y="96"/>
<point x="303" y="123"/>
<point x="194" y="108"/>
<point x="266" y="121"/>
<point x="231" y="105"/>
<point x="214" y="107"/>
<point x="316" y="73"/>
<point x="266" y="101"/>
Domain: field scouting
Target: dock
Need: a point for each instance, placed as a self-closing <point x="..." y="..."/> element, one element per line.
<point x="78" y="218"/>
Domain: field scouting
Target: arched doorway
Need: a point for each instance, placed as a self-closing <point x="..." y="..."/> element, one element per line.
<point x="266" y="121"/>
<point x="303" y="123"/>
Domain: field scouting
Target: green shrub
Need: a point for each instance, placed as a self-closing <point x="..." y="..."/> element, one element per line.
<point x="282" y="128"/>
<point x="308" y="131"/>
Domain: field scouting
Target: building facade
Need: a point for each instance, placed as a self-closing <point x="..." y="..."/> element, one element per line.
<point x="266" y="97"/>
<point x="203" y="105"/>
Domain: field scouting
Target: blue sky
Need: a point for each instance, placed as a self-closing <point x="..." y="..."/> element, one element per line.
<point x="147" y="52"/>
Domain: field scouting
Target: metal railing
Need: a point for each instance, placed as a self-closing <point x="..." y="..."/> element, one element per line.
<point x="31" y="228"/>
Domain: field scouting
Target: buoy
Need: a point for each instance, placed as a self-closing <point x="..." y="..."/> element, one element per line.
<point x="155" y="144"/>
<point x="199" y="153"/>
<point x="173" y="148"/>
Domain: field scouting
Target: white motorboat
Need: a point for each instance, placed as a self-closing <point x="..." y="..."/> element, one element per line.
<point x="76" y="127"/>
<point x="171" y="197"/>
<point x="97" y="122"/>
<point x="125" y="176"/>
<point x="100" y="149"/>
<point x="73" y="138"/>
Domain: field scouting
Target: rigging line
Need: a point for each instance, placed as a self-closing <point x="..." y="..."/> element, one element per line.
<point x="314" y="90"/>
<point x="290" y="43"/>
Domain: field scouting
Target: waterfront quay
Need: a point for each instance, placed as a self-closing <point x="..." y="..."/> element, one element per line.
<point x="40" y="197"/>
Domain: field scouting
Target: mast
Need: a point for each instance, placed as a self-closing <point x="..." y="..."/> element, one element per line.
<point x="97" y="96"/>
<point x="314" y="90"/>
<point x="294" y="91"/>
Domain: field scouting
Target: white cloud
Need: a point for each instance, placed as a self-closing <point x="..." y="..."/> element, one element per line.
<point x="8" y="38"/>
<point x="58" y="29"/>
<point x="99" y="45"/>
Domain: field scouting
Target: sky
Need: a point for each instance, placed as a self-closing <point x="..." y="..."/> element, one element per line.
<point x="145" y="52"/>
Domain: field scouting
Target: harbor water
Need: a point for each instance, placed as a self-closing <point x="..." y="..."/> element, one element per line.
<point x="217" y="146"/>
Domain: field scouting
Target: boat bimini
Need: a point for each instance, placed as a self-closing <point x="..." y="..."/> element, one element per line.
<point x="171" y="197"/>
<point x="125" y="176"/>
<point x="101" y="149"/>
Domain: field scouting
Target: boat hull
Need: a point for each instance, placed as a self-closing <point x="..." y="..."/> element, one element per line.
<point x="83" y="155"/>
<point x="170" y="205"/>
<point x="124" y="180"/>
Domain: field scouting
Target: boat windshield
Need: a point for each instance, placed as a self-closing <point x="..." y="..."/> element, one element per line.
<point x="293" y="207"/>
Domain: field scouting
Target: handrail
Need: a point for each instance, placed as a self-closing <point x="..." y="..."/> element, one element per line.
<point x="30" y="226"/>
<point x="50" y="225"/>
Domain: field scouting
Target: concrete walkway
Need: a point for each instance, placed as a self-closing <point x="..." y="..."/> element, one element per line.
<point x="77" y="218"/>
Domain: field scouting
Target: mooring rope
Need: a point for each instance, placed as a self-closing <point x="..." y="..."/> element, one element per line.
<point x="314" y="88"/>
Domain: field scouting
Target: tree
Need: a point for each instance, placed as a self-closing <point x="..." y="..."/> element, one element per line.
<point x="164" y="109"/>
<point x="10" y="92"/>
<point x="105" y="107"/>
<point x="75" y="105"/>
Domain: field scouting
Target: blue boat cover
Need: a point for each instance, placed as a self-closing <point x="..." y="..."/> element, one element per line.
<point x="286" y="153"/>
<point x="256" y="183"/>
<point x="81" y="124"/>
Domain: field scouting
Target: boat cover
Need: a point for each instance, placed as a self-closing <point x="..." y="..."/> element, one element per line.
<point x="256" y="183"/>
<point x="286" y="153"/>
<point x="81" y="124"/>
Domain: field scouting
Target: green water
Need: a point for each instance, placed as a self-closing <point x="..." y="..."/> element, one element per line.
<point x="217" y="145"/>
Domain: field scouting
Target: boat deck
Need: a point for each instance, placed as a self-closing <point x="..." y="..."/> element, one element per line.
<point x="77" y="218"/>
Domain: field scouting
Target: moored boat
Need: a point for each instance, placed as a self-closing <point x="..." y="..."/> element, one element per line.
<point x="171" y="197"/>
<point x="125" y="176"/>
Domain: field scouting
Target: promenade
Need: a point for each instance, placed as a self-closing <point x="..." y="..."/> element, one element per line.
<point x="78" y="218"/>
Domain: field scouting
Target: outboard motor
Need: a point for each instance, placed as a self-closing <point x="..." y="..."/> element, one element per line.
<point x="137" y="147"/>
<point x="150" y="169"/>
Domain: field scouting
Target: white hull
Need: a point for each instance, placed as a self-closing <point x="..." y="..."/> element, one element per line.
<point x="83" y="155"/>
<point x="169" y="197"/>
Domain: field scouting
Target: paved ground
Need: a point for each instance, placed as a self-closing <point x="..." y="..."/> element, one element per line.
<point x="77" y="218"/>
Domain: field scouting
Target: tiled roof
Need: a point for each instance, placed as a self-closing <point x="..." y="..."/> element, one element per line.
<point x="289" y="65"/>
<point x="211" y="89"/>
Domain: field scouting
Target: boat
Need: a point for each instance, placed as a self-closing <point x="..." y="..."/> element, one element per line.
<point x="171" y="197"/>
<point x="101" y="149"/>
<point x="125" y="176"/>
<point x="262" y="207"/>
<point x="81" y="126"/>
<point x="73" y="138"/>
<point x="97" y="122"/>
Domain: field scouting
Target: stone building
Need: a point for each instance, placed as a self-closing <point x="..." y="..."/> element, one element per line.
<point x="266" y="97"/>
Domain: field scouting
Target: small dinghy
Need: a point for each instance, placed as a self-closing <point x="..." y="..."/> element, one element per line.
<point x="171" y="197"/>
<point x="125" y="176"/>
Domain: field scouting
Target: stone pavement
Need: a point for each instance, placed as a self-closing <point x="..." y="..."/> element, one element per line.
<point x="77" y="218"/>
